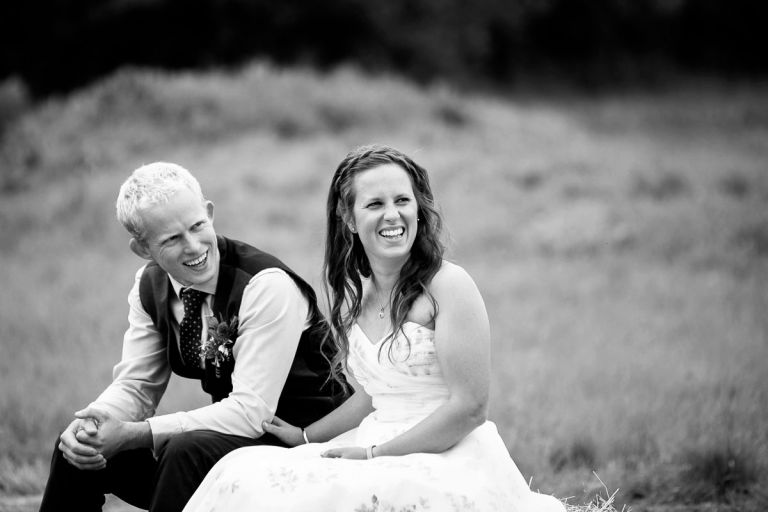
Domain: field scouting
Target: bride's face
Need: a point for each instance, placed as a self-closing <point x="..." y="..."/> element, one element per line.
<point x="384" y="213"/>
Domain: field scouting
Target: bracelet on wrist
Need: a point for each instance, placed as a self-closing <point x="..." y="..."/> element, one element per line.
<point x="369" y="451"/>
<point x="304" y="435"/>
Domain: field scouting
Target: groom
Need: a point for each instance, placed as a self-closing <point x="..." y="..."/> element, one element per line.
<point x="276" y="366"/>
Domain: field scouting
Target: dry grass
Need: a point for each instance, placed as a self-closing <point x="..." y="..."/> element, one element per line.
<point x="619" y="243"/>
<point x="599" y="503"/>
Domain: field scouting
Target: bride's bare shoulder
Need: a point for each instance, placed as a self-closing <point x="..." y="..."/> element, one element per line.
<point x="451" y="278"/>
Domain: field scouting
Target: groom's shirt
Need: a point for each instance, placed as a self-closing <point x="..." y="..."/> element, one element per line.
<point x="265" y="348"/>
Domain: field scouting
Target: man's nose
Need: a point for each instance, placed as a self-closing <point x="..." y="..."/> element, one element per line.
<point x="192" y="243"/>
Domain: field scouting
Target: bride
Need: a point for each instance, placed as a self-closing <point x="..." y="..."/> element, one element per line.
<point x="413" y="338"/>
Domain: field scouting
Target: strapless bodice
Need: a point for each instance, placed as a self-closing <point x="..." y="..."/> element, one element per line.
<point x="402" y="375"/>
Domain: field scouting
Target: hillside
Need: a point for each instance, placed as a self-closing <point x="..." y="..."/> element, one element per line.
<point x="620" y="243"/>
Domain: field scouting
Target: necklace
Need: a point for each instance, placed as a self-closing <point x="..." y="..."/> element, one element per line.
<point x="382" y="307"/>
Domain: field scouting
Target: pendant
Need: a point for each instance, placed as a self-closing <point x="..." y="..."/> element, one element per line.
<point x="381" y="313"/>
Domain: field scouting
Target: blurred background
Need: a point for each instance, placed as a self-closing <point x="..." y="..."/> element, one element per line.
<point x="58" y="46"/>
<point x="601" y="165"/>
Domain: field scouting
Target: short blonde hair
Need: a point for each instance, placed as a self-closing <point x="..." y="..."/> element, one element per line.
<point x="148" y="185"/>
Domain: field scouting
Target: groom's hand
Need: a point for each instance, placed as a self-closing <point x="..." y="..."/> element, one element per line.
<point x="77" y="445"/>
<point x="114" y="435"/>
<point x="284" y="431"/>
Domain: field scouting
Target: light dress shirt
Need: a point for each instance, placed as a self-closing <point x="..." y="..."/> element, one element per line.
<point x="273" y="314"/>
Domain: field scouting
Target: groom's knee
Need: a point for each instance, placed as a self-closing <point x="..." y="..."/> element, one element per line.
<point x="58" y="461"/>
<point x="183" y="462"/>
<point x="179" y="446"/>
<point x="195" y="447"/>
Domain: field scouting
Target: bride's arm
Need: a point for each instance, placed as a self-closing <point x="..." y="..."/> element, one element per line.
<point x="345" y="417"/>
<point x="462" y="340"/>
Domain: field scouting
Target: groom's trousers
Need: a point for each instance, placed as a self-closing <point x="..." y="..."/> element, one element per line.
<point x="162" y="484"/>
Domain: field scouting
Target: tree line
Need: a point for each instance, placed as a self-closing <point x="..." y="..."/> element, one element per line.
<point x="58" y="45"/>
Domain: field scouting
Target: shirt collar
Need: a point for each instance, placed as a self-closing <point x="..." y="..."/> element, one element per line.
<point x="208" y="287"/>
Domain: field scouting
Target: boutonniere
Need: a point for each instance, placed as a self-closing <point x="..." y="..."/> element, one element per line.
<point x="221" y="337"/>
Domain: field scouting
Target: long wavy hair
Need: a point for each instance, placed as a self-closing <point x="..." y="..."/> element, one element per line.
<point x="346" y="263"/>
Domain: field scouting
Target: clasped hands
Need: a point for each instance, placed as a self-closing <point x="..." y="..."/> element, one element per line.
<point x="93" y="437"/>
<point x="292" y="436"/>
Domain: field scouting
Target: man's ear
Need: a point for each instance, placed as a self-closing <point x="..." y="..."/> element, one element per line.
<point x="139" y="249"/>
<point x="209" y="210"/>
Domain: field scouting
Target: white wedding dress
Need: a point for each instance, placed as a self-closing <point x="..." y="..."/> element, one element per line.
<point x="477" y="474"/>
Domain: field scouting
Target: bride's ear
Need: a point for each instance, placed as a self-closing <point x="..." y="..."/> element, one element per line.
<point x="139" y="249"/>
<point x="349" y="221"/>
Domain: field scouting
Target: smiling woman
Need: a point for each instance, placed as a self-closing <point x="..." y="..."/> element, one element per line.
<point x="414" y="436"/>
<point x="385" y="214"/>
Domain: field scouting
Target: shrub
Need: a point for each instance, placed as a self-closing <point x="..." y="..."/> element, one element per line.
<point x="580" y="453"/>
<point x="716" y="472"/>
<point x="734" y="185"/>
<point x="661" y="188"/>
<point x="754" y="238"/>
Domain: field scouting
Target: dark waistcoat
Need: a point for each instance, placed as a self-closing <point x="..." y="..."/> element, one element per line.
<point x="308" y="394"/>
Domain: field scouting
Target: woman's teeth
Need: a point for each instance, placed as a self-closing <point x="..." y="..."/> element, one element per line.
<point x="392" y="233"/>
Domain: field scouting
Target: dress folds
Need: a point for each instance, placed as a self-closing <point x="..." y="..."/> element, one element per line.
<point x="403" y="378"/>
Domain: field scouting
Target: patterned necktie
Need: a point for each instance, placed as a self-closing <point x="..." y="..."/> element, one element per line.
<point x="191" y="326"/>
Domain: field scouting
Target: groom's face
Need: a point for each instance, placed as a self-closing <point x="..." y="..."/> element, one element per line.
<point x="179" y="236"/>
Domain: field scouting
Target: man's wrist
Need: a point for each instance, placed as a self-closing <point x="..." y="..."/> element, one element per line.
<point x="138" y="435"/>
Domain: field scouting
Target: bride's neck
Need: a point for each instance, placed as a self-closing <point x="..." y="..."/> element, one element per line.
<point x="384" y="279"/>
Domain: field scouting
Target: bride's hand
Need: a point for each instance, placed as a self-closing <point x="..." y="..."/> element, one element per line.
<point x="347" y="452"/>
<point x="285" y="432"/>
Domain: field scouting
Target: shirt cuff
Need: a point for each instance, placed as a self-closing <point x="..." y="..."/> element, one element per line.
<point x="163" y="428"/>
<point x="113" y="410"/>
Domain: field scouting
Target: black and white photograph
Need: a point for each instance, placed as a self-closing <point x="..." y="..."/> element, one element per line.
<point x="399" y="256"/>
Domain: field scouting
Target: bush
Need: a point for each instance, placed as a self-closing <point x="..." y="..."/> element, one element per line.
<point x="715" y="473"/>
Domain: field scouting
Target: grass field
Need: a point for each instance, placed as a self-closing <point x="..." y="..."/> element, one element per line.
<point x="620" y="242"/>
